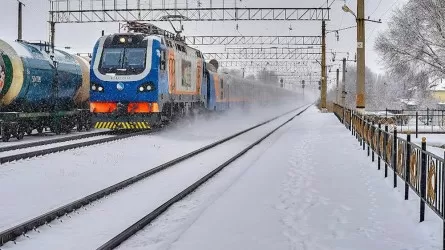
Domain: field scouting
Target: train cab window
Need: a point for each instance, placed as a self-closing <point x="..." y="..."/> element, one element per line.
<point x="163" y="61"/>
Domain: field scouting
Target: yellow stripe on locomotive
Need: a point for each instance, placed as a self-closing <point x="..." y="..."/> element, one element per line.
<point x="122" y="125"/>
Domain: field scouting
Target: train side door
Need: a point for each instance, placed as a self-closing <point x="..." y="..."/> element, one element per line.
<point x="208" y="89"/>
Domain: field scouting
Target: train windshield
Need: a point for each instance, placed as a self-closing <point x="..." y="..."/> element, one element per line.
<point x="123" y="61"/>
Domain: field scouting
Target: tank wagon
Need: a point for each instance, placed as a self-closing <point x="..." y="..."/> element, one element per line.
<point x="41" y="88"/>
<point x="148" y="75"/>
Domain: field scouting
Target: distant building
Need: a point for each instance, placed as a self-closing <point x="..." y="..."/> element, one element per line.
<point x="438" y="90"/>
<point x="409" y="104"/>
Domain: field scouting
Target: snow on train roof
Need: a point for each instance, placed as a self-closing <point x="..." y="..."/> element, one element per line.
<point x="18" y="48"/>
<point x="25" y="50"/>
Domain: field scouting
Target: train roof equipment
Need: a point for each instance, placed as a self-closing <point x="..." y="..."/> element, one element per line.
<point x="150" y="29"/>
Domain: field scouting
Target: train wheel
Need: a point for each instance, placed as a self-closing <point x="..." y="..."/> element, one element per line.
<point x="6" y="136"/>
<point x="88" y="125"/>
<point x="28" y="131"/>
<point x="67" y="129"/>
<point x="20" y="135"/>
<point x="56" y="129"/>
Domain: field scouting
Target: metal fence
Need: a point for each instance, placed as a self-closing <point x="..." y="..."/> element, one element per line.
<point x="417" y="168"/>
<point x="413" y="121"/>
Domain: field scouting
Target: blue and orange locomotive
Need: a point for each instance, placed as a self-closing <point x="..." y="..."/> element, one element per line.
<point x="146" y="76"/>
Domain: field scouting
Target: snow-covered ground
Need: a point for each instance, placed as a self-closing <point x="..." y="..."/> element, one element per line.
<point x="34" y="186"/>
<point x="128" y="205"/>
<point x="309" y="186"/>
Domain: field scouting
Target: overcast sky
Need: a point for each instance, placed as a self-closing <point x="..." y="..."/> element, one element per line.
<point x="81" y="37"/>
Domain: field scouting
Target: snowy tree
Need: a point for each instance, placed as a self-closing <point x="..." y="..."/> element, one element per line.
<point x="380" y="92"/>
<point x="414" y="43"/>
<point x="267" y="76"/>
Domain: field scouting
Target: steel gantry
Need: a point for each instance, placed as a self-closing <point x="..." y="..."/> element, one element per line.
<point x="229" y="56"/>
<point x="263" y="64"/>
<point x="308" y="54"/>
<point x="253" y="40"/>
<point x="78" y="11"/>
<point x="277" y="50"/>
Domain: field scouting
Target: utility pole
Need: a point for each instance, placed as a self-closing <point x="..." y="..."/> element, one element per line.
<point x="323" y="66"/>
<point x="343" y="89"/>
<point x="337" y="89"/>
<point x="360" y="99"/>
<point x="52" y="28"/>
<point x="20" y="30"/>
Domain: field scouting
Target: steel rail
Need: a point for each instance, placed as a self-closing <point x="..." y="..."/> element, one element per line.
<point x="52" y="141"/>
<point x="21" y="156"/>
<point x="18" y="230"/>
<point x="139" y="225"/>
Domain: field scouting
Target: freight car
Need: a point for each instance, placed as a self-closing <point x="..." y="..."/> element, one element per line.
<point x="148" y="75"/>
<point x="41" y="88"/>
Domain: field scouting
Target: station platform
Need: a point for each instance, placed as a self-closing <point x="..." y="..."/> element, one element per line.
<point x="310" y="186"/>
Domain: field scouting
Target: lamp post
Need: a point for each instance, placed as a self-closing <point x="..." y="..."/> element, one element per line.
<point x="360" y="17"/>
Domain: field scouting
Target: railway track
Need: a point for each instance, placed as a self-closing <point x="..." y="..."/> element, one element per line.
<point x="21" y="229"/>
<point x="52" y="141"/>
<point x="20" y="155"/>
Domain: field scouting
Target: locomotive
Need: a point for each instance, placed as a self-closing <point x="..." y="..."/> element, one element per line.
<point x="148" y="76"/>
<point x="41" y="88"/>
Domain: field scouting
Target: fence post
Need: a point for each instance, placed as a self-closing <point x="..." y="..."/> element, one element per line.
<point x="350" y="119"/>
<point x="372" y="140"/>
<point x="368" y="141"/>
<point x="384" y="151"/>
<point x="358" y="130"/>
<point x="427" y="116"/>
<point x="353" y="123"/>
<point x="442" y="118"/>
<point x="407" y="164"/>
<point x="363" y="134"/>
<point x="417" y="124"/>
<point x="357" y="126"/>
<point x="394" y="156"/>
<point x="379" y="149"/>
<point x="371" y="127"/>
<point x="343" y="117"/>
<point x="423" y="181"/>
<point x="443" y="206"/>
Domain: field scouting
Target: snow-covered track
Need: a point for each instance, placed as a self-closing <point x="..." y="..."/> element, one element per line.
<point x="21" y="229"/>
<point x="139" y="225"/>
<point x="69" y="146"/>
<point x="52" y="141"/>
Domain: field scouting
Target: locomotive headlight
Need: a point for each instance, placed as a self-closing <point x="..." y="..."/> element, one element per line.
<point x="122" y="40"/>
<point x="146" y="87"/>
<point x="97" y="87"/>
